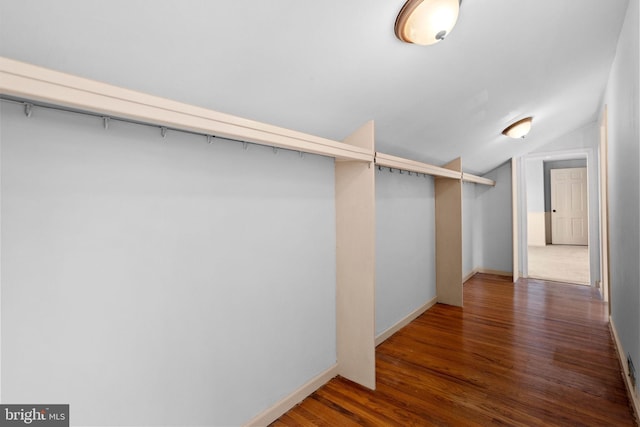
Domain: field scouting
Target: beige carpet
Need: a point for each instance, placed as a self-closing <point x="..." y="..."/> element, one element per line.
<point x="561" y="263"/>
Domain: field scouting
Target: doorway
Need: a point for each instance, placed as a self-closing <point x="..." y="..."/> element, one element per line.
<point x="565" y="255"/>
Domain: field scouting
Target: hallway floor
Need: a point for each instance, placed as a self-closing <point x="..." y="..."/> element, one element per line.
<point x="560" y="263"/>
<point x="533" y="353"/>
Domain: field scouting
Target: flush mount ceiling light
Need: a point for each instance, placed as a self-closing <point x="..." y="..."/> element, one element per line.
<point x="519" y="129"/>
<point x="426" y="22"/>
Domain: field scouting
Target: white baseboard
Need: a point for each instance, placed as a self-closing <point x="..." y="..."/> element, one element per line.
<point x="469" y="276"/>
<point x="631" y="392"/>
<point x="495" y="272"/>
<point x="486" y="271"/>
<point x="280" y="408"/>
<point x="405" y="321"/>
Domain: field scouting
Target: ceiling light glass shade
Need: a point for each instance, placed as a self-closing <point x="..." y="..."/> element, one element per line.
<point x="519" y="129"/>
<point x="426" y="22"/>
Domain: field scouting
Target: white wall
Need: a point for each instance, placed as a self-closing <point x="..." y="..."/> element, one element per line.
<point x="151" y="281"/>
<point x="623" y="93"/>
<point x="493" y="238"/>
<point x="405" y="245"/>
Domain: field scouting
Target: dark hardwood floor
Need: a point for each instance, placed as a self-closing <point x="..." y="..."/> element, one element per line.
<point x="532" y="354"/>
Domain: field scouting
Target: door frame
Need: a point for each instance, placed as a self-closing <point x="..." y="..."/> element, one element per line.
<point x="605" y="285"/>
<point x="520" y="205"/>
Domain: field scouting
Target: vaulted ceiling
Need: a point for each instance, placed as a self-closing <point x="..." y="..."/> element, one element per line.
<point x="326" y="67"/>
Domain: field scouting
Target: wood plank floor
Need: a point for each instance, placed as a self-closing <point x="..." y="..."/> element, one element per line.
<point x="532" y="354"/>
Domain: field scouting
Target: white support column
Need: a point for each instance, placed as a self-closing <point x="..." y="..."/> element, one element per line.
<point x="355" y="251"/>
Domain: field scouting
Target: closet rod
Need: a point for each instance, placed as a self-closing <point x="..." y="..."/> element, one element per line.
<point x="106" y="120"/>
<point x="467" y="177"/>
<point x="394" y="162"/>
<point x="37" y="84"/>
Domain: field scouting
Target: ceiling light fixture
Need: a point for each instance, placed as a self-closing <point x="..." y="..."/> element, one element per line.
<point x="426" y="22"/>
<point x="518" y="129"/>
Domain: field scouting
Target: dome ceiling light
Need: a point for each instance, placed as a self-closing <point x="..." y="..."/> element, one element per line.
<point x="518" y="129"/>
<point x="426" y="22"/>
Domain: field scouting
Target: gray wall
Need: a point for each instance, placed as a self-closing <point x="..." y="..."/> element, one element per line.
<point x="535" y="185"/>
<point x="151" y="281"/>
<point x="405" y="245"/>
<point x="493" y="241"/>
<point x="557" y="164"/>
<point x="622" y="99"/>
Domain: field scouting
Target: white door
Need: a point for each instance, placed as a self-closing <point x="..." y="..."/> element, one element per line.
<point x="569" y="215"/>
